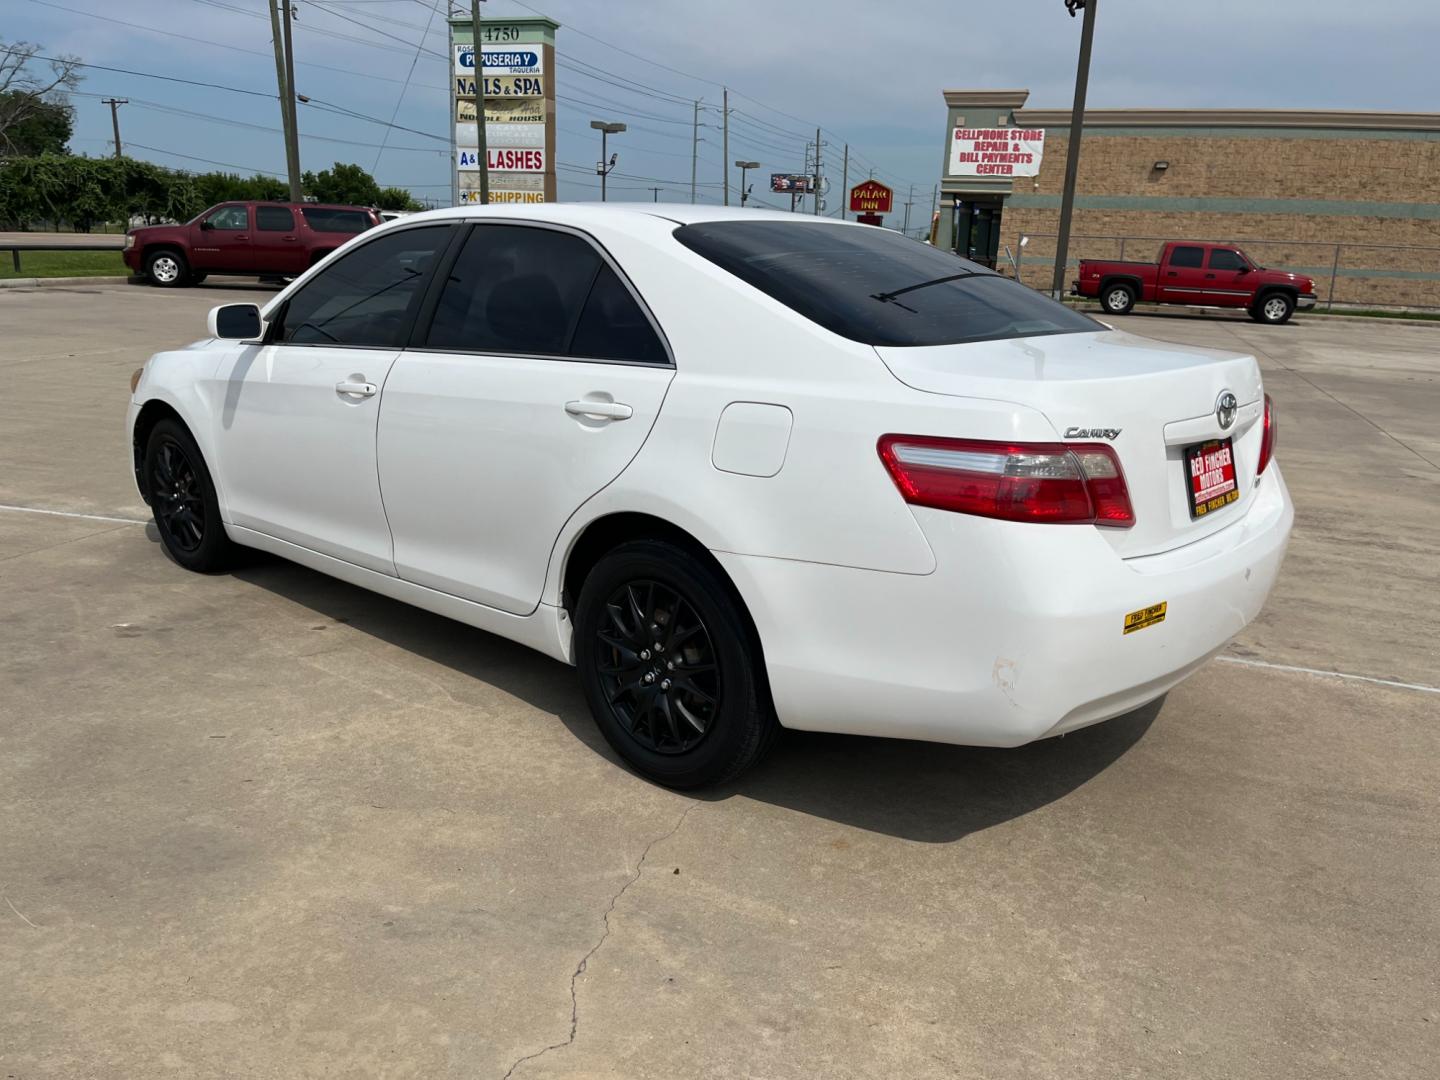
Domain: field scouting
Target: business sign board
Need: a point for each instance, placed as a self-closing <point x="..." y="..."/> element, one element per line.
<point x="503" y="159"/>
<point x="996" y="151"/>
<point x="871" y="197"/>
<point x="792" y="183"/>
<point x="516" y="103"/>
<point x="468" y="135"/>
<point x="502" y="86"/>
<point x="503" y="111"/>
<point x="501" y="60"/>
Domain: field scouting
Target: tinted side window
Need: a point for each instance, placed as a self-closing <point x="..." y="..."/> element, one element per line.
<point x="1187" y="256"/>
<point x="365" y="298"/>
<point x="514" y="289"/>
<point x="274" y="219"/>
<point x="235" y="218"/>
<point x="878" y="287"/>
<point x="1225" y="259"/>
<point x="614" y="327"/>
<point x="322" y="219"/>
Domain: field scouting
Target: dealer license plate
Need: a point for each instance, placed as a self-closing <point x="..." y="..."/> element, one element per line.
<point x="1210" y="477"/>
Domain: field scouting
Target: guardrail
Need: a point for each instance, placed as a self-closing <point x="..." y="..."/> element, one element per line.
<point x="1352" y="275"/>
<point x="16" y="249"/>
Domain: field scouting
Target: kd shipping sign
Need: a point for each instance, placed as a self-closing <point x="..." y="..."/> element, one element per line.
<point x="996" y="151"/>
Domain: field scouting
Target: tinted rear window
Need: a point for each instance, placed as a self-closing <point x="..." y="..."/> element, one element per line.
<point x="876" y="286"/>
<point x="341" y="221"/>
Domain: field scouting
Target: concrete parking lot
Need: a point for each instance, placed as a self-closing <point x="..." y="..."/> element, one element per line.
<point x="266" y="824"/>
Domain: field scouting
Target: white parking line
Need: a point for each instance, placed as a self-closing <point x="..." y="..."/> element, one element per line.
<point x="1330" y="674"/>
<point x="71" y="514"/>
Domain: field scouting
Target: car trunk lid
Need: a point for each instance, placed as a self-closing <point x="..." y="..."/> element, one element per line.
<point x="1149" y="400"/>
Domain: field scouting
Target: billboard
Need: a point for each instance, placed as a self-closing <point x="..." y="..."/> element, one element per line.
<point x="503" y="111"/>
<point x="996" y="151"/>
<point x="500" y="135"/>
<point x="503" y="159"/>
<point x="792" y="183"/>
<point x="502" y="86"/>
<point x="871" y="197"/>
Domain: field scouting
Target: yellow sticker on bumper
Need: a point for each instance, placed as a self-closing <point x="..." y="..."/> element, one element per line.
<point x="1146" y="616"/>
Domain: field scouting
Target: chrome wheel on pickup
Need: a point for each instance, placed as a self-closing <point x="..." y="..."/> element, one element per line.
<point x="1119" y="299"/>
<point x="1275" y="308"/>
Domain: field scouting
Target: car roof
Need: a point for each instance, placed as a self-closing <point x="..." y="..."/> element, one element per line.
<point x="578" y="213"/>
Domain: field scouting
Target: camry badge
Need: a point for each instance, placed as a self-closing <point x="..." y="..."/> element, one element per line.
<point x="1225" y="409"/>
<point x="1092" y="433"/>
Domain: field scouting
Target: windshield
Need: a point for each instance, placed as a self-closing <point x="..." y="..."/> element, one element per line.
<point x="877" y="286"/>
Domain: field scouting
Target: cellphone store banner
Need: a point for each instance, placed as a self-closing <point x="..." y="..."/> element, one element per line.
<point x="996" y="151"/>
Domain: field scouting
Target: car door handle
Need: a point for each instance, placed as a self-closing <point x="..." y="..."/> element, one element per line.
<point x="605" y="410"/>
<point x="1172" y="273"/>
<point x="358" y="389"/>
<point x="1209" y="277"/>
<point x="289" y="238"/>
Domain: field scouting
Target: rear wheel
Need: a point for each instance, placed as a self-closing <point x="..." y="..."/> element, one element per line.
<point x="1273" y="308"/>
<point x="1119" y="299"/>
<point x="183" y="500"/>
<point x="669" y="666"/>
<point x="166" y="268"/>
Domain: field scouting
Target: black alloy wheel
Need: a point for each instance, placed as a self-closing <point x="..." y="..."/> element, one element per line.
<point x="183" y="500"/>
<point x="658" y="667"/>
<point x="671" y="665"/>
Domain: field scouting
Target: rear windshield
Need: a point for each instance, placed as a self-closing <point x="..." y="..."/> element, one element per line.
<point x="876" y="286"/>
<point x="341" y="221"/>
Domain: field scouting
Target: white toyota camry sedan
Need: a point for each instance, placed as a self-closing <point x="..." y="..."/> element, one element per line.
<point x="743" y="469"/>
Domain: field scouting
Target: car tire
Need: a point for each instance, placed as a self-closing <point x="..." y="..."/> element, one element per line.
<point x="167" y="268"/>
<point x="1118" y="299"/>
<point x="183" y="500"/>
<point x="1273" y="308"/>
<point x="670" y="666"/>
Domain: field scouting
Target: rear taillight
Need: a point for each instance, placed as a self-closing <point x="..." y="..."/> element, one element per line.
<point x="1267" y="436"/>
<point x="1059" y="483"/>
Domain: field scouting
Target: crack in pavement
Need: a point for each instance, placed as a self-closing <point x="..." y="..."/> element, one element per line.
<point x="585" y="960"/>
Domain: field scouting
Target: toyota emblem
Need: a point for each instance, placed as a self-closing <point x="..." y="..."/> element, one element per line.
<point x="1225" y="409"/>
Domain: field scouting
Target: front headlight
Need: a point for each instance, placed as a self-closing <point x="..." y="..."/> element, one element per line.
<point x="129" y="241"/>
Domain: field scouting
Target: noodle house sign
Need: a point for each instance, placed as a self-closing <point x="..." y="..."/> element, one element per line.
<point x="871" y="197"/>
<point x="996" y="151"/>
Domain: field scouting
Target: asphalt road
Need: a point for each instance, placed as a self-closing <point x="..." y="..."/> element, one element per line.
<point x="266" y="824"/>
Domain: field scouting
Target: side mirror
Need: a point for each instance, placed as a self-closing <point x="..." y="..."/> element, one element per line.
<point x="235" y="322"/>
<point x="205" y="225"/>
<point x="1242" y="269"/>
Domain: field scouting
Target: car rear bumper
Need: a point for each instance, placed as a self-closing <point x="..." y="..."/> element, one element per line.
<point x="1017" y="635"/>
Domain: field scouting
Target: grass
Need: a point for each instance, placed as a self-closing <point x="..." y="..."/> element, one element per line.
<point x="37" y="264"/>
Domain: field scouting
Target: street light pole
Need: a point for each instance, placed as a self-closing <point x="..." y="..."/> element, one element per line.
<point x="292" y="136"/>
<point x="1072" y="150"/>
<point x="115" y="104"/>
<point x="606" y="163"/>
<point x="744" y="167"/>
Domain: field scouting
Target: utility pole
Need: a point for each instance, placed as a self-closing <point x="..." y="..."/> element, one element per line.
<point x="816" y="209"/>
<point x="906" y="227"/>
<point x="115" y="104"/>
<point x="283" y="89"/>
<point x="694" y="151"/>
<point x="655" y="191"/>
<point x="1072" y="150"/>
<point x="845" y="183"/>
<point x="292" y="135"/>
<point x="482" y="152"/>
<point x="725" y="149"/>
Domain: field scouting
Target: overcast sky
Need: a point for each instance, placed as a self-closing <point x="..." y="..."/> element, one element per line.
<point x="868" y="74"/>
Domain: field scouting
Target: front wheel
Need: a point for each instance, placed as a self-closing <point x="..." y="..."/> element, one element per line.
<point x="183" y="500"/>
<point x="1274" y="309"/>
<point x="669" y="666"/>
<point x="1119" y="299"/>
<point x="167" y="269"/>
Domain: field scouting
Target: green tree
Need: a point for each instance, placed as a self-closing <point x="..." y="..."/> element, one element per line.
<point x="396" y="198"/>
<point x="217" y="187"/>
<point x="43" y="127"/>
<point x="30" y="98"/>
<point x="342" y="184"/>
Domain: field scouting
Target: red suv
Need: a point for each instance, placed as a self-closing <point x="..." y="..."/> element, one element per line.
<point x="267" y="239"/>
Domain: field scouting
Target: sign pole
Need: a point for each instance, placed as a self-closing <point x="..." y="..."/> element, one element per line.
<point x="845" y="178"/>
<point x="483" y="157"/>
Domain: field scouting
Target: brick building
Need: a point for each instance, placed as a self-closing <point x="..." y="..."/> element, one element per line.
<point x="1351" y="198"/>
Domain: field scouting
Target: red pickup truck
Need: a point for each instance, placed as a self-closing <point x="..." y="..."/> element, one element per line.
<point x="267" y="239"/>
<point x="1204" y="275"/>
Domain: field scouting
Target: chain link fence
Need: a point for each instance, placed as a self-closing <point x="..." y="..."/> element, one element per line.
<point x="1346" y="275"/>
